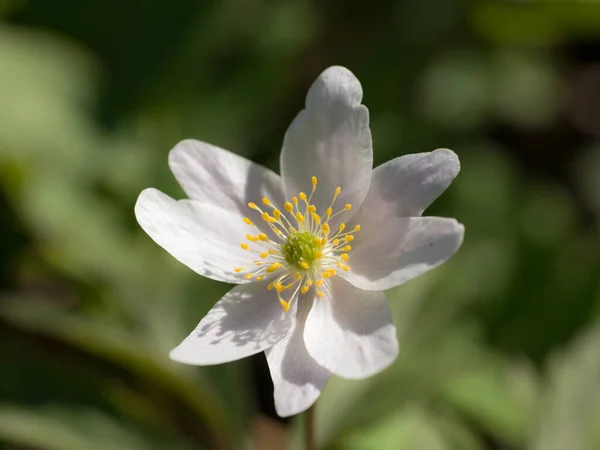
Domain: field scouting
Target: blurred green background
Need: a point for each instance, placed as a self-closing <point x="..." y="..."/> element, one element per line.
<point x="500" y="347"/>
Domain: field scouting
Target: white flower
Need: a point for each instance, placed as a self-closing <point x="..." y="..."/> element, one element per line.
<point x="312" y="250"/>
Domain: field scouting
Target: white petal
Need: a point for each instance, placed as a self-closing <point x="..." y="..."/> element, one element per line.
<point x="402" y="249"/>
<point x="331" y="140"/>
<point x="212" y="175"/>
<point x="350" y="331"/>
<point x="247" y="320"/>
<point x="297" y="378"/>
<point x="204" y="237"/>
<point x="406" y="186"/>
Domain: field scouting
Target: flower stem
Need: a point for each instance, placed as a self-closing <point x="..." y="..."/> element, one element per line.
<point x="309" y="428"/>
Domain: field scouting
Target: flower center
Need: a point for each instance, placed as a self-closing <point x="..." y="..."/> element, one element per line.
<point x="304" y="252"/>
<point x="301" y="247"/>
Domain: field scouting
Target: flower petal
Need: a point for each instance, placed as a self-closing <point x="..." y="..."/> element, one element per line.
<point x="406" y="186"/>
<point x="212" y="175"/>
<point x="247" y="320"/>
<point x="350" y="331"/>
<point x="331" y="140"/>
<point x="297" y="378"/>
<point x="401" y="249"/>
<point x="204" y="237"/>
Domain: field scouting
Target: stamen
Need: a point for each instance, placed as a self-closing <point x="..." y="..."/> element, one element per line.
<point x="308" y="253"/>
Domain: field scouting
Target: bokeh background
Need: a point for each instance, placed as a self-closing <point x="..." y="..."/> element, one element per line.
<point x="500" y="346"/>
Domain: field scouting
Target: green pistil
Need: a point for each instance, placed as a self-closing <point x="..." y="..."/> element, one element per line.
<point x="300" y="247"/>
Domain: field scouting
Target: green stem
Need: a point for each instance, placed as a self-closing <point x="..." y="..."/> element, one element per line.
<point x="309" y="428"/>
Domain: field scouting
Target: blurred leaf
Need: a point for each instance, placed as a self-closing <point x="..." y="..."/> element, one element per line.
<point x="59" y="428"/>
<point x="569" y="408"/>
<point x="108" y="341"/>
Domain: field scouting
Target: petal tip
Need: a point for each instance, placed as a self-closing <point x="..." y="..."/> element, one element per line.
<point x="450" y="158"/>
<point x="334" y="84"/>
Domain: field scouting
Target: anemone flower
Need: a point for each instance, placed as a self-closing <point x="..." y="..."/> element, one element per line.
<point x="311" y="250"/>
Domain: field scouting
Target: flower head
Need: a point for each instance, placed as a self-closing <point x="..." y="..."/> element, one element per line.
<point x="311" y="250"/>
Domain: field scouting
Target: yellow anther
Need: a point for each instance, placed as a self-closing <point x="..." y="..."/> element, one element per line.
<point x="280" y="287"/>
<point x="297" y="276"/>
<point x="288" y="207"/>
<point x="329" y="211"/>
<point x="266" y="201"/>
<point x="347" y="248"/>
<point x="326" y="228"/>
<point x="302" y="196"/>
<point x="272" y="252"/>
<point x="342" y="226"/>
<point x="304" y="265"/>
<point x="299" y="217"/>
<point x="349" y="238"/>
<point x="252" y="205"/>
<point x="270" y="286"/>
<point x="309" y="283"/>
<point x="273" y="267"/>
<point x="248" y="276"/>
<point x="337" y="192"/>
<point x="247" y="221"/>
<point x="263" y="237"/>
<point x="326" y="274"/>
<point x="304" y="289"/>
<point x="319" y="283"/>
<point x="311" y="208"/>
<point x="295" y="200"/>
<point x="259" y="278"/>
<point x="286" y="305"/>
<point x="336" y="242"/>
<point x="238" y="269"/>
<point x="314" y="182"/>
<point x="357" y="228"/>
<point x="346" y="268"/>
<point x="320" y="294"/>
<point x="277" y="213"/>
<point x="292" y="230"/>
<point x="265" y="216"/>
<point x="344" y="257"/>
<point x="317" y="241"/>
<point x="245" y="246"/>
<point x="323" y="241"/>
<point x="332" y="272"/>
<point x="339" y="264"/>
<point x="348" y="207"/>
<point x="251" y="238"/>
<point x="318" y="254"/>
<point x="263" y="255"/>
<point x="316" y="217"/>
